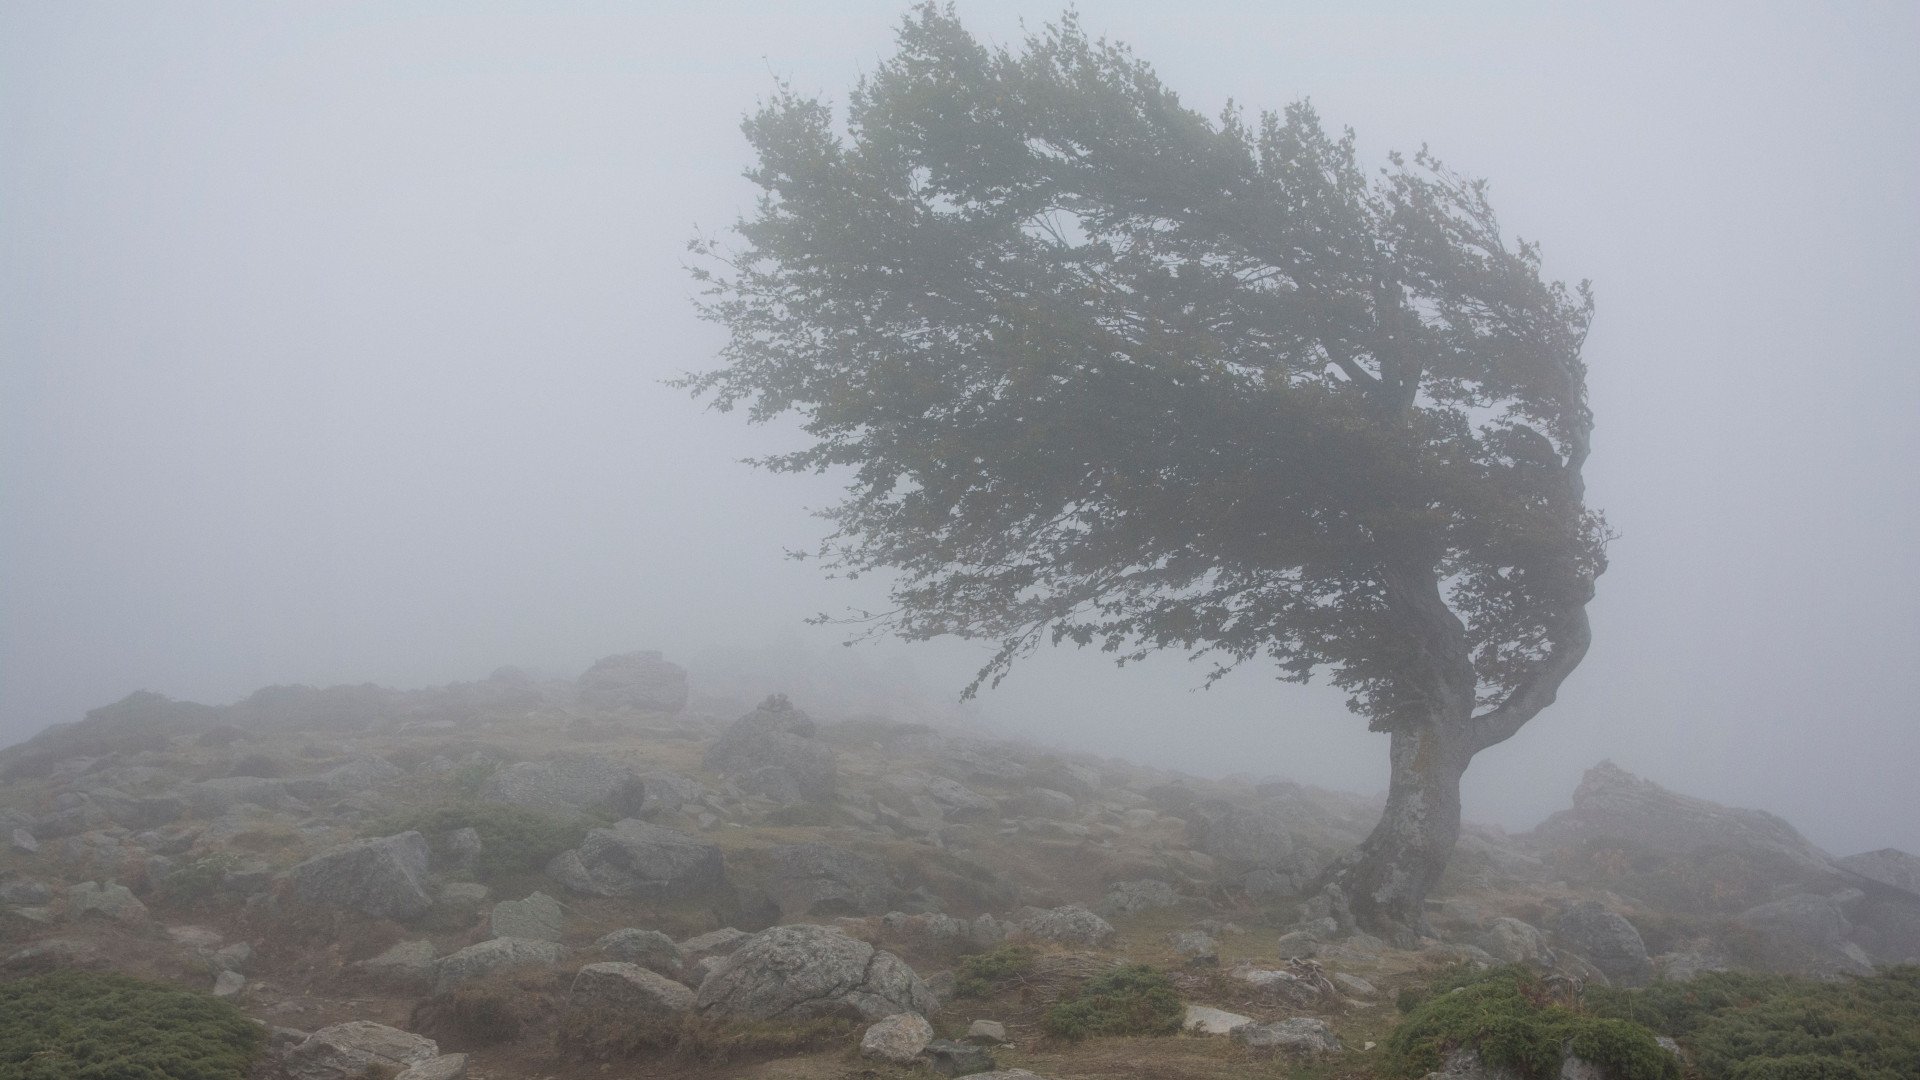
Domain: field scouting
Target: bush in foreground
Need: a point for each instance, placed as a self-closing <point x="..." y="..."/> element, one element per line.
<point x="1131" y="1000"/>
<point x="1515" y="1020"/>
<point x="82" y="1026"/>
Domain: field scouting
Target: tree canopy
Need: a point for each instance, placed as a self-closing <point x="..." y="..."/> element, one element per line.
<point x="1107" y="371"/>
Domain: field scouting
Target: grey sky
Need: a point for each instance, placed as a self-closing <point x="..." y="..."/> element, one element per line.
<point x="331" y="338"/>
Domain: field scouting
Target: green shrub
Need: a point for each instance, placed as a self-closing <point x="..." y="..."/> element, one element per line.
<point x="1512" y="1018"/>
<point x="80" y="1026"/>
<point x="983" y="975"/>
<point x="1742" y="1026"/>
<point x="197" y="883"/>
<point x="513" y="839"/>
<point x="1131" y="1000"/>
<point x="471" y="778"/>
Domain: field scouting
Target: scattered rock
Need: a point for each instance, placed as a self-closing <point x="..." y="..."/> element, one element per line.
<point x="898" y="1038"/>
<point x="1606" y="940"/>
<point x="1206" y="1020"/>
<point x="1069" y="925"/>
<point x="539" y="917"/>
<point x="357" y="1049"/>
<point x="110" y="901"/>
<point x="568" y="784"/>
<point x="798" y="971"/>
<point x="987" y="1031"/>
<point x="1244" y="835"/>
<point x="640" y="860"/>
<point x="229" y="984"/>
<point x="630" y="991"/>
<point x="1355" y="986"/>
<point x="498" y="954"/>
<point x="721" y="942"/>
<point x="774" y="748"/>
<point x="464" y="848"/>
<point x="385" y="877"/>
<point x="1196" y="946"/>
<point x="23" y="841"/>
<point x="409" y="963"/>
<point x="1300" y="1035"/>
<point x="821" y="879"/>
<point x="1127" y="897"/>
<point x="957" y="1058"/>
<point x="1514" y="942"/>
<point x="444" y="1067"/>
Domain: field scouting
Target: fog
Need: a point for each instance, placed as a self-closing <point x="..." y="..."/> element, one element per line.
<point x="333" y="339"/>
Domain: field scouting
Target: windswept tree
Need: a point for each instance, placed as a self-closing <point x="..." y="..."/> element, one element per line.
<point x="1104" y="371"/>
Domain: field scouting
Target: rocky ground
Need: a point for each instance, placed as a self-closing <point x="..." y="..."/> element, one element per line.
<point x="603" y="877"/>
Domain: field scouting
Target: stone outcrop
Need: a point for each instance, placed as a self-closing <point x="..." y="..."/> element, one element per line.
<point x="800" y="971"/>
<point x="357" y="1049"/>
<point x="384" y="877"/>
<point x="773" y="751"/>
<point x="568" y="784"/>
<point x="821" y="879"/>
<point x="640" y="860"/>
<point x="640" y="680"/>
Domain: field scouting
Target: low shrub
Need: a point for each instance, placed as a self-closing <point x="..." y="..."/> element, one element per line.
<point x="514" y="840"/>
<point x="598" y="1034"/>
<point x="1516" y="1020"/>
<point x="198" y="884"/>
<point x="1744" y="1026"/>
<point x="985" y="974"/>
<point x="81" y="1026"/>
<point x="1132" y="1000"/>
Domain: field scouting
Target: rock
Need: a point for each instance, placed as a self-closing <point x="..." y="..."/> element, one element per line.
<point x="357" y="1049"/>
<point x="385" y="877"/>
<point x="1206" y="1020"/>
<point x="201" y="938"/>
<point x="1243" y="835"/>
<point x="1804" y="932"/>
<point x="228" y="984"/>
<point x="651" y="949"/>
<point x="721" y="942"/>
<point x="987" y="1031"/>
<point x="640" y="680"/>
<point x="463" y="895"/>
<point x="1196" y="946"/>
<point x="1466" y="1064"/>
<point x="1300" y="1035"/>
<point x="1354" y="986"/>
<point x="235" y="957"/>
<point x="1044" y="802"/>
<point x="1069" y="925"/>
<point x="630" y="991"/>
<point x="668" y="792"/>
<point x="898" y="1038"/>
<point x="110" y="901"/>
<point x="798" y="971"/>
<point x="539" y="917"/>
<point x="410" y="963"/>
<point x="444" y="1067"/>
<point x="1514" y="942"/>
<point x="957" y="1058"/>
<point x="1888" y="866"/>
<point x="464" y="848"/>
<point x="1613" y="804"/>
<point x="1606" y="940"/>
<point x="1127" y="897"/>
<point x="211" y="798"/>
<point x="498" y="954"/>
<point x="567" y="784"/>
<point x="643" y="861"/>
<point x="23" y="841"/>
<point x="774" y="747"/>
<point x="1687" y="964"/>
<point x="821" y="879"/>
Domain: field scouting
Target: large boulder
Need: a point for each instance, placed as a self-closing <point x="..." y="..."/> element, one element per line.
<point x="640" y="680"/>
<point x="898" y="1038"/>
<point x="1888" y="866"/>
<point x="821" y="879"/>
<point x="1512" y="941"/>
<point x="1804" y="932"/>
<point x="498" y="954"/>
<point x="568" y="784"/>
<point x="630" y="992"/>
<point x="1246" y="836"/>
<point x="384" y="877"/>
<point x="357" y="1049"/>
<point x="1611" y="804"/>
<point x="1069" y="925"/>
<point x="539" y="917"/>
<point x="640" y="860"/>
<point x="799" y="971"/>
<point x="772" y="750"/>
<point x="1606" y="940"/>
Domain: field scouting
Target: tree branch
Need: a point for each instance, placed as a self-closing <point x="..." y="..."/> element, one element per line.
<point x="1499" y="724"/>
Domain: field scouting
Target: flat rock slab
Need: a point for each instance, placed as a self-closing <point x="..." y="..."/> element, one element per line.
<point x="1206" y="1020"/>
<point x="357" y="1049"/>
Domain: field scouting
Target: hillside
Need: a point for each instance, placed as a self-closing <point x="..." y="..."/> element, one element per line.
<point x="561" y="878"/>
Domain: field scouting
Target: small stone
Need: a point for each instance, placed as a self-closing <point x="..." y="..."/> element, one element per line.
<point x="957" y="1059"/>
<point x="1355" y="986"/>
<point x="1196" y="946"/>
<point x="229" y="984"/>
<point x="1206" y="1020"/>
<point x="987" y="1031"/>
<point x="24" y="842"/>
<point x="898" y="1038"/>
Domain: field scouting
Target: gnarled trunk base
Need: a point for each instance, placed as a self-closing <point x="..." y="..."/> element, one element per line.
<point x="1384" y="882"/>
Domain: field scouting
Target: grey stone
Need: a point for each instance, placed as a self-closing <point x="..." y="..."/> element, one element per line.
<point x="1195" y="946"/>
<point x="1045" y="803"/>
<point x="1206" y="1020"/>
<point x="1888" y="866"/>
<point x="1127" y="897"/>
<point x="639" y="680"/>
<point x="1069" y="925"/>
<point x="538" y="917"/>
<point x="111" y="901"/>
<point x="409" y="963"/>
<point x="1299" y="1035"/>
<point x="235" y="957"/>
<point x="385" y="877"/>
<point x="568" y="784"/>
<point x="25" y="891"/>
<point x="821" y="879"/>
<point x="1243" y="835"/>
<point x="229" y="984"/>
<point x="898" y="1038"/>
<point x="464" y="848"/>
<point x="1466" y="1064"/>
<point x="776" y="736"/>
<point x="1514" y="942"/>
<point x="957" y="1058"/>
<point x="798" y="971"/>
<point x="668" y="792"/>
<point x="355" y="1049"/>
<point x="444" y="1067"/>
<point x="202" y="938"/>
<point x="24" y="842"/>
<point x="1805" y="932"/>
<point x="721" y="942"/>
<point x="651" y="949"/>
<point x="630" y="991"/>
<point x="1607" y="941"/>
<point x="1355" y="986"/>
<point x="211" y="798"/>
<point x="498" y="954"/>
<point x="987" y="1031"/>
<point x="643" y="861"/>
<point x="463" y="895"/>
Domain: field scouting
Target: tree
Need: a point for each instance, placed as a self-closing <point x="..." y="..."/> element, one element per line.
<point x="1103" y="371"/>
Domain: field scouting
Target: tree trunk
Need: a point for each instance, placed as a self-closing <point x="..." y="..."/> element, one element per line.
<point x="1385" y="880"/>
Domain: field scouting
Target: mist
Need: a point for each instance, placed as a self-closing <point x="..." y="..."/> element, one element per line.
<point x="334" y="340"/>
